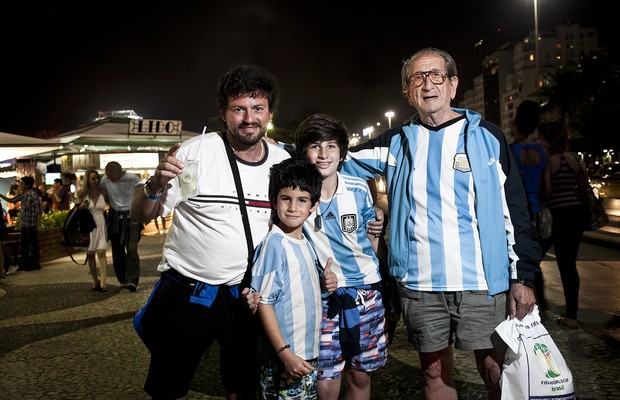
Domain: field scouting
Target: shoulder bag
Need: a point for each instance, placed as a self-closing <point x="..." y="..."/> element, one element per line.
<point x="244" y="213"/>
<point x="595" y="216"/>
<point x="76" y="231"/>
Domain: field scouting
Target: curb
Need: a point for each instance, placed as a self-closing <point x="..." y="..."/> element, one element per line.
<point x="602" y="239"/>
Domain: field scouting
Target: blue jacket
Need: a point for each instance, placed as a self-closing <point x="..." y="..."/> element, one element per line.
<point x="508" y="251"/>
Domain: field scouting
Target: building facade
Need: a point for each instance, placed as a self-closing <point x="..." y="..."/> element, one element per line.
<point x="510" y="75"/>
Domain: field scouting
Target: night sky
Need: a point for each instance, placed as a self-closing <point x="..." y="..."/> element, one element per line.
<point x="62" y="64"/>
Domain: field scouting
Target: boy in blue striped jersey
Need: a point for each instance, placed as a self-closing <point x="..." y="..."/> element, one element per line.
<point x="286" y="273"/>
<point x="353" y="339"/>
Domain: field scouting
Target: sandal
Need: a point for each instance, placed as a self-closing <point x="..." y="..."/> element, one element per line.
<point x="96" y="288"/>
<point x="569" y="322"/>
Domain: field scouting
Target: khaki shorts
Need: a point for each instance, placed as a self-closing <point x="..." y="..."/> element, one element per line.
<point x="435" y="320"/>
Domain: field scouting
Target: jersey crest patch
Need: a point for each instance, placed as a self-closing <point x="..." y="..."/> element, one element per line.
<point x="348" y="222"/>
<point x="461" y="163"/>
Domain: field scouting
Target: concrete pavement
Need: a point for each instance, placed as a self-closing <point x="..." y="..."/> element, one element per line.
<point x="58" y="340"/>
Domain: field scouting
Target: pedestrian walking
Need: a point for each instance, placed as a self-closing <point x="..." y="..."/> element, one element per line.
<point x="123" y="233"/>
<point x="566" y="202"/>
<point x="93" y="198"/>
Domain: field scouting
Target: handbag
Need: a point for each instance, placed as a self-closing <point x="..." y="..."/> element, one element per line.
<point x="595" y="216"/>
<point x="533" y="366"/>
<point x="76" y="231"/>
<point x="541" y="224"/>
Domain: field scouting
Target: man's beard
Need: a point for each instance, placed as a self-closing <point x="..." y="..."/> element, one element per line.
<point x="249" y="141"/>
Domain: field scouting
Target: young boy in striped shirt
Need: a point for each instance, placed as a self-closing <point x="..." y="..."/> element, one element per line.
<point x="286" y="273"/>
<point x="353" y="337"/>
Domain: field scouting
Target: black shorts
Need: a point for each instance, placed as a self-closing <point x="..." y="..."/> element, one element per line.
<point x="178" y="333"/>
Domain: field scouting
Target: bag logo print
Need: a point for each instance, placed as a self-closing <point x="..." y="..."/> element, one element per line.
<point x="546" y="359"/>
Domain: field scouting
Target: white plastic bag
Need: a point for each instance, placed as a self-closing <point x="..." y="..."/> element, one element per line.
<point x="534" y="367"/>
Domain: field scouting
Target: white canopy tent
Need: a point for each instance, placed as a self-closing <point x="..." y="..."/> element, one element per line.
<point x="17" y="146"/>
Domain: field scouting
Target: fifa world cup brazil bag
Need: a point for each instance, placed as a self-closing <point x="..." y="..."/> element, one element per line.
<point x="534" y="367"/>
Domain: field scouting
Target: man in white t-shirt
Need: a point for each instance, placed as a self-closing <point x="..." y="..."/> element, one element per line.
<point x="124" y="234"/>
<point x="205" y="256"/>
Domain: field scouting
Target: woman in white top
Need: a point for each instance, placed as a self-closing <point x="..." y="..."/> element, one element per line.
<point x="94" y="198"/>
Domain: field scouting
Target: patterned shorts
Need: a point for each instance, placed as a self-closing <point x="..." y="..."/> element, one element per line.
<point x="372" y="338"/>
<point x="275" y="385"/>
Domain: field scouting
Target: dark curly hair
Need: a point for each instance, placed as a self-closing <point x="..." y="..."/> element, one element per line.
<point x="293" y="173"/>
<point x="247" y="80"/>
<point x="28" y="181"/>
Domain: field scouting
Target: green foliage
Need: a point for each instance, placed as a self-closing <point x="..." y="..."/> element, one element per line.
<point x="54" y="219"/>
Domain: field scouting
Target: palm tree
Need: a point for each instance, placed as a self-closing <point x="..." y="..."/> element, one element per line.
<point x="586" y="97"/>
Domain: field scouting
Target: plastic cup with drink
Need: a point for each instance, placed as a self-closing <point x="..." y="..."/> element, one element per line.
<point x="188" y="180"/>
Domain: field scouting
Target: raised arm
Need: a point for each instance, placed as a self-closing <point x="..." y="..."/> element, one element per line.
<point x="145" y="203"/>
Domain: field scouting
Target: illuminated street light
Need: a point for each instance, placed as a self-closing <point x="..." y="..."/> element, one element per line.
<point x="389" y="116"/>
<point x="368" y="131"/>
<point x="269" y="128"/>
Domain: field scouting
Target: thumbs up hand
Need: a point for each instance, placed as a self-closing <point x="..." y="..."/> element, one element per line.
<point x="329" y="281"/>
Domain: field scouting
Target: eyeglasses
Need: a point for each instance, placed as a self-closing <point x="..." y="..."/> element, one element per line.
<point x="436" y="77"/>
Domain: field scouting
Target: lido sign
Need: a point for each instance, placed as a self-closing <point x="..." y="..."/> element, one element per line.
<point x="154" y="127"/>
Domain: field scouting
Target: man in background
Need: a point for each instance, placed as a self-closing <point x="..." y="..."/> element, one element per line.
<point x="124" y="234"/>
<point x="61" y="196"/>
<point x="30" y="222"/>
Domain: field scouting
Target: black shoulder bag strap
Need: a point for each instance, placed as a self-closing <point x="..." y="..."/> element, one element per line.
<point x="70" y="216"/>
<point x="74" y="260"/>
<point x="244" y="212"/>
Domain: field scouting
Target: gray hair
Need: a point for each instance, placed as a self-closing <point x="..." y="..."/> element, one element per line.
<point x="450" y="64"/>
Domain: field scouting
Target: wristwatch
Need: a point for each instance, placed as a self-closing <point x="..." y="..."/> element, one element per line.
<point x="523" y="282"/>
<point x="147" y="190"/>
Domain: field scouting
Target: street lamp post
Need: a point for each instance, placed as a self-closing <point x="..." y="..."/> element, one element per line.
<point x="389" y="116"/>
<point x="537" y="48"/>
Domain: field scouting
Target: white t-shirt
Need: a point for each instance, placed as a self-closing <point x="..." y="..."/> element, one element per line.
<point x="206" y="240"/>
<point x="120" y="192"/>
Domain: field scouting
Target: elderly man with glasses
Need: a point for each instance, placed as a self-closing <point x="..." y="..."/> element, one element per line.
<point x="459" y="243"/>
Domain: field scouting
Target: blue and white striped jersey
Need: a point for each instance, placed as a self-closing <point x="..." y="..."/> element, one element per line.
<point x="500" y="205"/>
<point x="448" y="252"/>
<point x="286" y="274"/>
<point x="343" y="233"/>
